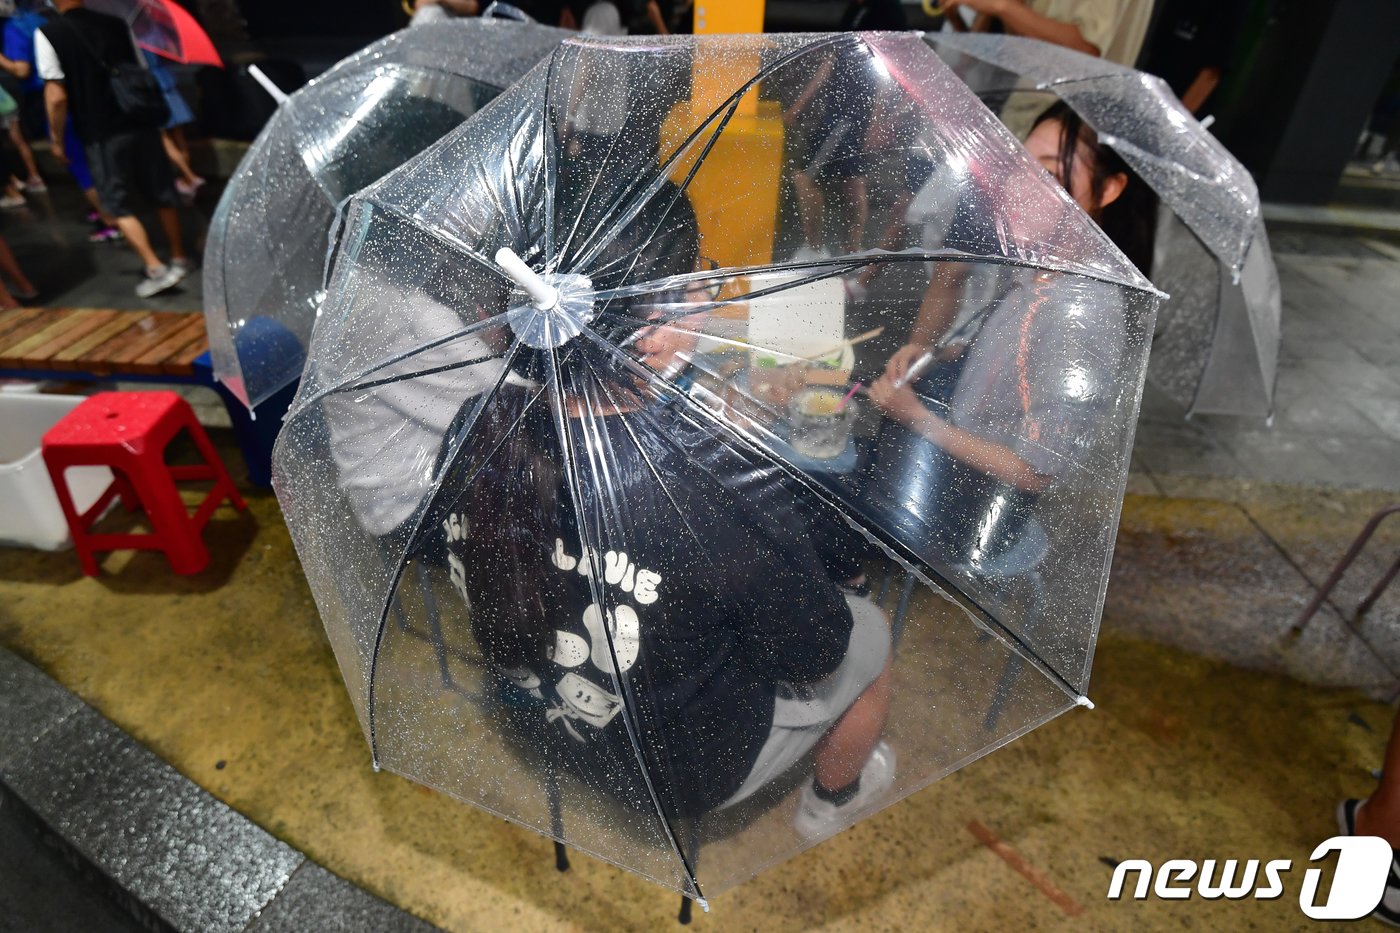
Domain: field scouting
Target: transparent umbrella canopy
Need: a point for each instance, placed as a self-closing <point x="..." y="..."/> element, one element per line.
<point x="583" y="480"/>
<point x="1216" y="346"/>
<point x="266" y="249"/>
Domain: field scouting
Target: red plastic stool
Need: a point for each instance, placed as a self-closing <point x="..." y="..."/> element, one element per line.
<point x="128" y="432"/>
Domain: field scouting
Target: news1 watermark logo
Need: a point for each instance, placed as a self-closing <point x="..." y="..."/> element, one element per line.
<point x="1358" y="883"/>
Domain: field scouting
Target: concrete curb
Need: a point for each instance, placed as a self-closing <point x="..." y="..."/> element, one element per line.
<point x="1334" y="218"/>
<point x="164" y="849"/>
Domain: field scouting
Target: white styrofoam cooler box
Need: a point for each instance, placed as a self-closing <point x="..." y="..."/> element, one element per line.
<point x="29" y="511"/>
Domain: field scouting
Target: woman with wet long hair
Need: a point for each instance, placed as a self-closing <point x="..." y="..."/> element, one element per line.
<point x="993" y="391"/>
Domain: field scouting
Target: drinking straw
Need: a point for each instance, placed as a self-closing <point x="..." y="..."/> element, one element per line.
<point x="846" y="400"/>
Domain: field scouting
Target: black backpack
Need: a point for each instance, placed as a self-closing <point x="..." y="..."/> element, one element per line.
<point x="136" y="90"/>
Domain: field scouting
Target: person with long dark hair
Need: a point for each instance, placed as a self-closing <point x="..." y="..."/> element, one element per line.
<point x="991" y="392"/>
<point x="1098" y="179"/>
<point x="634" y="577"/>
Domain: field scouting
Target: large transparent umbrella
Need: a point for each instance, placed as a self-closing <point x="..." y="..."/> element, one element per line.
<point x="577" y="469"/>
<point x="266" y="250"/>
<point x="1216" y="346"/>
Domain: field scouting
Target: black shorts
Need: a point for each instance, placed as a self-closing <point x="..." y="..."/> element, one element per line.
<point x="127" y="163"/>
<point x="837" y="142"/>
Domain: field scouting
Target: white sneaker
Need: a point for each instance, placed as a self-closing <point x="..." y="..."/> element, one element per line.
<point x="816" y="818"/>
<point x="157" y="281"/>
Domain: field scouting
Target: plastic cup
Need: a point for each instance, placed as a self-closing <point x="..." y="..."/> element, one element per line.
<point x="820" y="419"/>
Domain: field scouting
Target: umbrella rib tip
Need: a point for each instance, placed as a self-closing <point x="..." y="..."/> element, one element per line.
<point x="1084" y="702"/>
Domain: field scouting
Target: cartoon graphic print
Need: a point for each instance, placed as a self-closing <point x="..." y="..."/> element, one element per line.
<point x="584" y="700"/>
<point x="618" y="570"/>
<point x="580" y="699"/>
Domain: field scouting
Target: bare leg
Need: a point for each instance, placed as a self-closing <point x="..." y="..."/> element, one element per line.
<point x="10" y="266"/>
<point x="96" y="202"/>
<point x="177" y="135"/>
<point x="170" y="223"/>
<point x="135" y="234"/>
<point x="178" y="158"/>
<point x="809" y="201"/>
<point x="1380" y="814"/>
<point x="26" y="154"/>
<point x="7" y="301"/>
<point x="843" y="751"/>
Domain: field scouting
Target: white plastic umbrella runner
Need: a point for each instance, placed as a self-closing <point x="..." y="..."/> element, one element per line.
<point x="1216" y="347"/>
<point x="587" y="492"/>
<point x="266" y="249"/>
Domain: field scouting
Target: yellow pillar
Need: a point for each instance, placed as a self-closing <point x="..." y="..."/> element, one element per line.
<point x="735" y="191"/>
<point x="728" y="16"/>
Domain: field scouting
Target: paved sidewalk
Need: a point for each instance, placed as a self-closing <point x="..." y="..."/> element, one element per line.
<point x="1337" y="404"/>
<point x="1202" y="697"/>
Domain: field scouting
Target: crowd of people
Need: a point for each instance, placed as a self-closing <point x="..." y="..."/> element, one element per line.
<point x="57" y="56"/>
<point x="57" y="83"/>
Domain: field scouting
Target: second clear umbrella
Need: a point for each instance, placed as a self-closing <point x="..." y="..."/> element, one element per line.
<point x="266" y="251"/>
<point x="1216" y="347"/>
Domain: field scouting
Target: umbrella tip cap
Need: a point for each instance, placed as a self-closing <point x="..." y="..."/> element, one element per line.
<point x="1084" y="702"/>
<point x="542" y="295"/>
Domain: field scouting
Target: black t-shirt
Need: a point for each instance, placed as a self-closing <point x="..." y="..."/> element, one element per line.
<point x="867" y="15"/>
<point x="713" y="595"/>
<point x="1193" y="35"/>
<point x="80" y="37"/>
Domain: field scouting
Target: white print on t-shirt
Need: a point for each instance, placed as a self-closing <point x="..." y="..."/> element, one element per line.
<point x="618" y="571"/>
<point x="620" y="626"/>
<point x="457" y="572"/>
<point x="584" y="700"/>
<point x="579" y="697"/>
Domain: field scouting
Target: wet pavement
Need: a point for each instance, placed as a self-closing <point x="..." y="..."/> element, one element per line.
<point x="1217" y="732"/>
<point x="1231" y="745"/>
<point x="1337" y="402"/>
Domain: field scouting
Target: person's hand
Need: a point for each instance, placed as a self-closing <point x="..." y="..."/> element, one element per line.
<point x="667" y="347"/>
<point x="901" y="404"/>
<point x="420" y="4"/>
<point x="56" y="145"/>
<point x="897" y="369"/>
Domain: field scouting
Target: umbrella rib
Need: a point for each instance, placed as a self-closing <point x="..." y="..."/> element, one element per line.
<point x="493" y="320"/>
<point x="389" y="380"/>
<point x="694" y="309"/>
<point x="590" y="553"/>
<point x="636" y="442"/>
<point x="423" y="226"/>
<point x="412" y="541"/>
<point x="637" y="195"/>
<point x="655" y="185"/>
<point x="855" y="260"/>
<point x="573" y="230"/>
